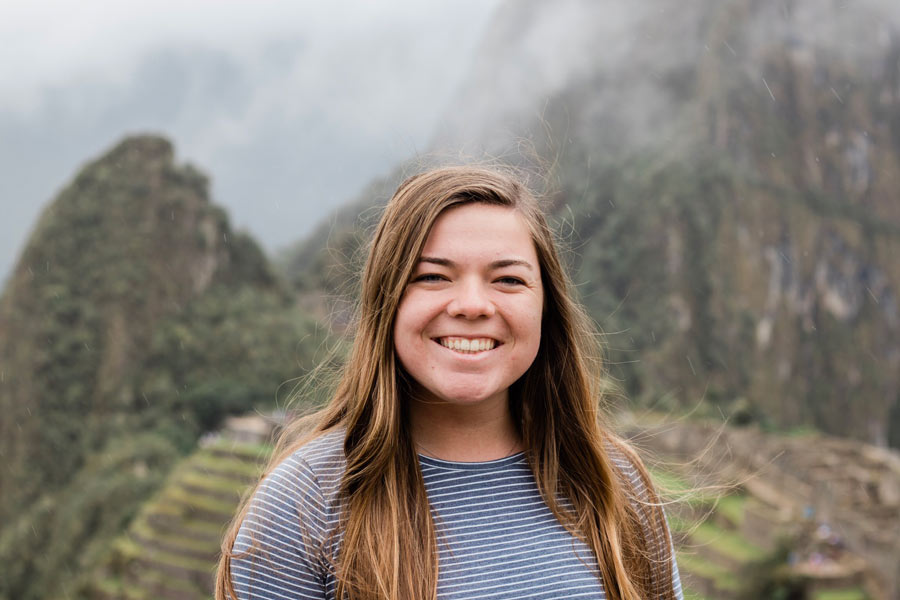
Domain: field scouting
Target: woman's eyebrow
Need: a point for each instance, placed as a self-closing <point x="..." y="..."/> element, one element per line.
<point x="510" y="262"/>
<point x="444" y="262"/>
<point x="497" y="264"/>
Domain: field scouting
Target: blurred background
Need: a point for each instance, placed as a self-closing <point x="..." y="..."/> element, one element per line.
<point x="187" y="193"/>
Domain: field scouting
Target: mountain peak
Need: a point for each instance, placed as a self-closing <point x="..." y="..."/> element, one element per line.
<point x="142" y="147"/>
<point x="130" y="242"/>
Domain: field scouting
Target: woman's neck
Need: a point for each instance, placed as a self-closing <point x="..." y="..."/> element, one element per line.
<point x="464" y="433"/>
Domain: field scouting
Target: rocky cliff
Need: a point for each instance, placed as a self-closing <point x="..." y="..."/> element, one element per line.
<point x="135" y="320"/>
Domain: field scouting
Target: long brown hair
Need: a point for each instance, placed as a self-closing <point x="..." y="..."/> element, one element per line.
<point x="389" y="543"/>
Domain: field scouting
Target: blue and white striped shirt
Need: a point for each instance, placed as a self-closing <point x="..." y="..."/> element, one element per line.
<point x="497" y="539"/>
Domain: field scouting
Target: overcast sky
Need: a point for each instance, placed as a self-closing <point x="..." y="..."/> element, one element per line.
<point x="290" y="106"/>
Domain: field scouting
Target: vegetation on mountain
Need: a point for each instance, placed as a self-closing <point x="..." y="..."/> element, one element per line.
<point x="135" y="321"/>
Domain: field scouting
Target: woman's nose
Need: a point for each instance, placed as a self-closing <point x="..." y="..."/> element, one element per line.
<point x="471" y="300"/>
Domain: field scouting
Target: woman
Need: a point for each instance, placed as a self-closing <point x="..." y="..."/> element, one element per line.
<point x="462" y="455"/>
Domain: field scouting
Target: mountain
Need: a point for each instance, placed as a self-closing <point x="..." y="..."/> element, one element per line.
<point x="135" y="320"/>
<point x="723" y="174"/>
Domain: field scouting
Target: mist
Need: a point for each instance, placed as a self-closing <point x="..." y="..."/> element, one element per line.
<point x="289" y="107"/>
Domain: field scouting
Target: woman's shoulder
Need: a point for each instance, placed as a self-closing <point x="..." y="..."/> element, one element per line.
<point x="324" y="451"/>
<point x="305" y="481"/>
<point x="317" y="466"/>
<point x="300" y="494"/>
<point x="285" y="535"/>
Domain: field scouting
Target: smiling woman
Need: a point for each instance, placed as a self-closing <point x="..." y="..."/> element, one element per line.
<point x="463" y="454"/>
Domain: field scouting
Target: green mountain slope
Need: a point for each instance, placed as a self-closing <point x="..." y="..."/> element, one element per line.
<point x="135" y="320"/>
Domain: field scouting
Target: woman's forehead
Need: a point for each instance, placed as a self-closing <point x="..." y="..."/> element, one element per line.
<point x="480" y="229"/>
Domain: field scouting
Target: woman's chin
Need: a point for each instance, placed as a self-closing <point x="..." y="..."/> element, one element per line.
<point x="473" y="396"/>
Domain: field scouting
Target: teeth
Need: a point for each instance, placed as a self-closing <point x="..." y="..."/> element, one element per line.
<point x="467" y="345"/>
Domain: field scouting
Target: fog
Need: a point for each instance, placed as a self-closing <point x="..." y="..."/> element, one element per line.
<point x="624" y="58"/>
<point x="290" y="106"/>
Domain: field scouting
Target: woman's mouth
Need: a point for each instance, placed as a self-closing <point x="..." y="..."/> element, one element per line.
<point x="467" y="345"/>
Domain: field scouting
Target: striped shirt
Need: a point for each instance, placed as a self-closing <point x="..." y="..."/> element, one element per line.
<point x="497" y="539"/>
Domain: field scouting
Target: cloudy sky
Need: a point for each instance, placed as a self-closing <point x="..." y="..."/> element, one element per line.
<point x="290" y="106"/>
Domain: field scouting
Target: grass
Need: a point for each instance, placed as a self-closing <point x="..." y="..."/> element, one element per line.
<point x="668" y="482"/>
<point x="255" y="452"/>
<point x="164" y="509"/>
<point x="726" y="542"/>
<point x="213" y="483"/>
<point x="144" y="531"/>
<point x="679" y="525"/>
<point x="224" y="466"/>
<point x="108" y="585"/>
<point x="178" y="516"/>
<point x="137" y="589"/>
<point x="841" y="594"/>
<point x="723" y="579"/>
<point x="732" y="508"/>
<point x="199" y="502"/>
<point x="673" y="487"/>
<point x="206" y="567"/>
<point x="155" y="578"/>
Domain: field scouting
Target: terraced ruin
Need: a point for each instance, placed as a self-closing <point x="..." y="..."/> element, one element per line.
<point x="719" y="543"/>
<point x="171" y="548"/>
<point x="832" y="505"/>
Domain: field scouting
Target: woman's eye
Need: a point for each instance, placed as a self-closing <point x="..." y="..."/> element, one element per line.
<point x="510" y="281"/>
<point x="429" y="277"/>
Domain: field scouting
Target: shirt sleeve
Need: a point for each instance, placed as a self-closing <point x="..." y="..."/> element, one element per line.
<point x="279" y="549"/>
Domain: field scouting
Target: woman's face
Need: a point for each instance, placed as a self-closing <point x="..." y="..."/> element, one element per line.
<point x="469" y="322"/>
